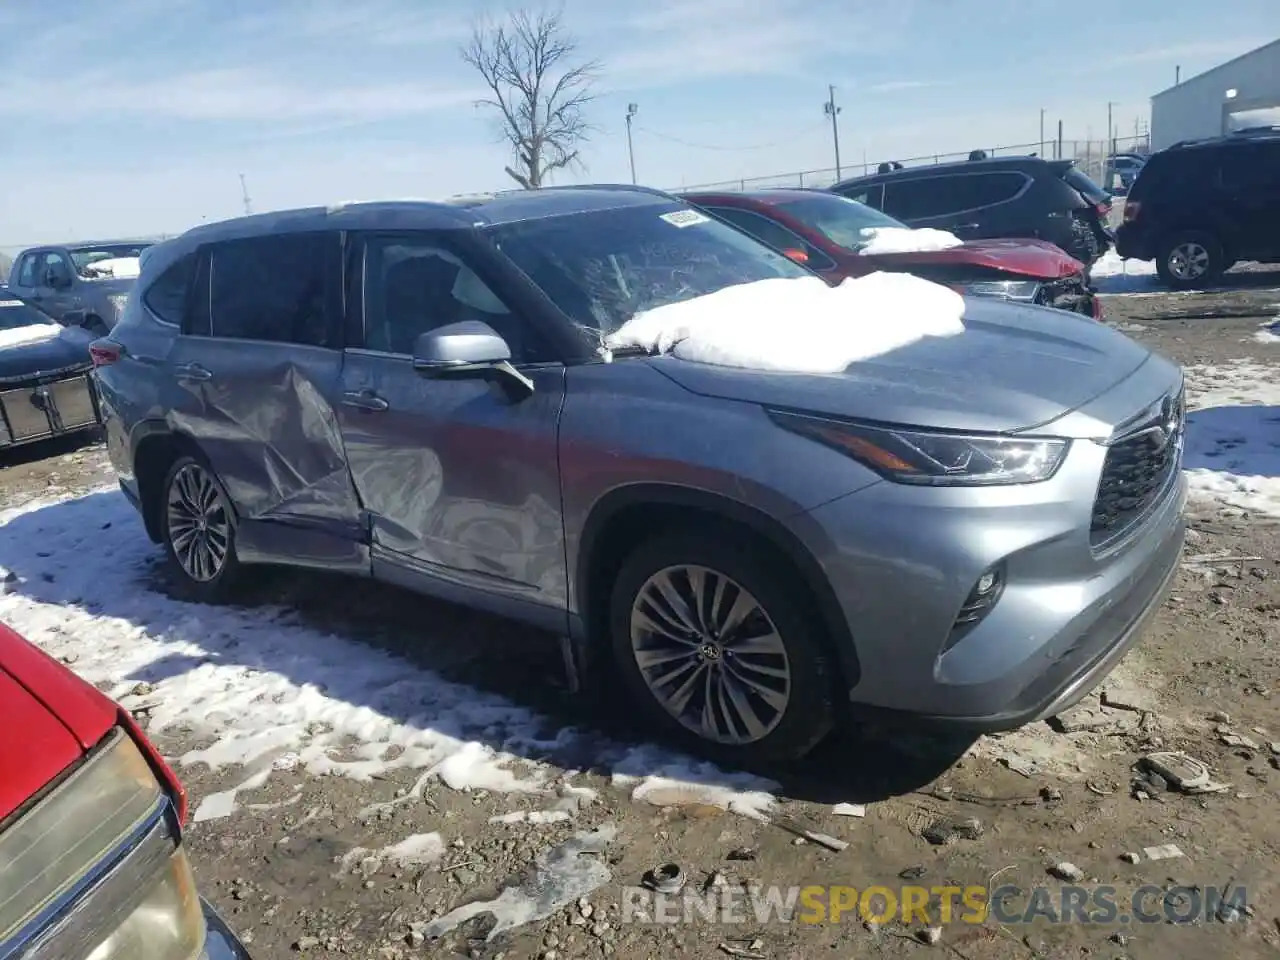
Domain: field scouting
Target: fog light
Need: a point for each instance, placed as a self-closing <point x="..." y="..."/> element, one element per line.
<point x="980" y="601"/>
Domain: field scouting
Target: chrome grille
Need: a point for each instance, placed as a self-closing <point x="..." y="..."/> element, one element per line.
<point x="1137" y="469"/>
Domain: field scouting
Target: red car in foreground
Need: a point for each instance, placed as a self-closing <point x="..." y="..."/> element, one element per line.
<point x="92" y="864"/>
<point x="841" y="238"/>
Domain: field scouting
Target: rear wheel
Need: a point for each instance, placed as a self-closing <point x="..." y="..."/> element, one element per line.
<point x="1187" y="261"/>
<point x="198" y="528"/>
<point x="715" y="645"/>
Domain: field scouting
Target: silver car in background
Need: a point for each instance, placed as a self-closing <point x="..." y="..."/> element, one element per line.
<point x="972" y="529"/>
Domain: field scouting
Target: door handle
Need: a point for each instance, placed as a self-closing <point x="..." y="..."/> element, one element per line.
<point x="364" y="400"/>
<point x="193" y="371"/>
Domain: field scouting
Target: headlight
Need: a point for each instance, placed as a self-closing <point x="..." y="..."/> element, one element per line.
<point x="168" y="924"/>
<point x="933" y="458"/>
<point x="52" y="847"/>
<point x="1009" y="289"/>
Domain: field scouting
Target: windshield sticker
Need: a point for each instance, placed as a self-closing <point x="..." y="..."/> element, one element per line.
<point x="685" y="218"/>
<point x="12" y="303"/>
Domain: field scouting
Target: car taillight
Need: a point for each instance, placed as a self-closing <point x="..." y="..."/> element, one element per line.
<point x="1131" y="211"/>
<point x="105" y="352"/>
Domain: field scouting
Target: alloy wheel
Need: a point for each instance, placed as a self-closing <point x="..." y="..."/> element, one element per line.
<point x="1189" y="260"/>
<point x="710" y="654"/>
<point x="198" y="522"/>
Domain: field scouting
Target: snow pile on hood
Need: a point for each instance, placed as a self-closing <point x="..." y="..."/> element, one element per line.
<point x="32" y="333"/>
<point x="905" y="240"/>
<point x="116" y="267"/>
<point x="798" y="325"/>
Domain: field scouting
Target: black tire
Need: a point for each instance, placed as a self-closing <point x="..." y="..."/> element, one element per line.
<point x="1190" y="260"/>
<point x="809" y="711"/>
<point x="222" y="583"/>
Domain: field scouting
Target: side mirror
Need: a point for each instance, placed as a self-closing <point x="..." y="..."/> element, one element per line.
<point x="470" y="348"/>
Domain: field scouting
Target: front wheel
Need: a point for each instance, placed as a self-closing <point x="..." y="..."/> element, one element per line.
<point x="1190" y="260"/>
<point x="716" y="647"/>
<point x="199" y="532"/>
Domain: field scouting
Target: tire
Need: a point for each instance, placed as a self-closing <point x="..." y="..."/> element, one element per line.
<point x="1190" y="260"/>
<point x="798" y="707"/>
<point x="197" y="526"/>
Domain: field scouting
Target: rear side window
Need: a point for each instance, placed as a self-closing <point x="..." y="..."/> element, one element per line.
<point x="872" y="196"/>
<point x="274" y="288"/>
<point x="167" y="296"/>
<point x="1248" y="167"/>
<point x="940" y="196"/>
<point x="1083" y="184"/>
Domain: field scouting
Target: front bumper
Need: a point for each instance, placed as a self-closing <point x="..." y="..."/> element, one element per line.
<point x="903" y="561"/>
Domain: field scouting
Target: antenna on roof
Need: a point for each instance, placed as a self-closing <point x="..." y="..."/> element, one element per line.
<point x="244" y="194"/>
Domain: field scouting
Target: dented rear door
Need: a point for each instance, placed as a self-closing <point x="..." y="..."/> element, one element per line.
<point x="257" y="368"/>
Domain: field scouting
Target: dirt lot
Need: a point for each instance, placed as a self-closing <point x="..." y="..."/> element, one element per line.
<point x="307" y="863"/>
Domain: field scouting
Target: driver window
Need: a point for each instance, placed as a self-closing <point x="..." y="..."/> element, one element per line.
<point x="414" y="287"/>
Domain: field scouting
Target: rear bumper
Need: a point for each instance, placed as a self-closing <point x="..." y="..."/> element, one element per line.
<point x="1133" y="245"/>
<point x="220" y="942"/>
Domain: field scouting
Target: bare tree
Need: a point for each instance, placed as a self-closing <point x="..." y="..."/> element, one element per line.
<point x="539" y="91"/>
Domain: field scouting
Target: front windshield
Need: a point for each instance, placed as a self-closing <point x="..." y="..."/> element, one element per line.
<point x="15" y="314"/>
<point x="846" y="223"/>
<point x="83" y="257"/>
<point x="604" y="267"/>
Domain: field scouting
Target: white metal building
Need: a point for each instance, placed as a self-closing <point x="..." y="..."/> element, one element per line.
<point x="1244" y="92"/>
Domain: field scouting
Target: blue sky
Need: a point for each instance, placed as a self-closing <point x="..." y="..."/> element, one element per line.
<point x="126" y="117"/>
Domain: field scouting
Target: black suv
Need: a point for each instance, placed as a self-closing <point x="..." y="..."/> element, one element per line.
<point x="1000" y="197"/>
<point x="1200" y="206"/>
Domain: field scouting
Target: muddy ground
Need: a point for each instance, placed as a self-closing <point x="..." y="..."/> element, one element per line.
<point x="1206" y="680"/>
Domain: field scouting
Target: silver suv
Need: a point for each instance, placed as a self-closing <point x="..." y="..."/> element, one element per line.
<point x="971" y="528"/>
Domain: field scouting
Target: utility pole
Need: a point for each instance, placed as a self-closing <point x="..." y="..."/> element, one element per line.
<point x="244" y="194"/>
<point x="1111" y="138"/>
<point x="631" y="153"/>
<point x="1042" y="131"/>
<point x="1177" y="75"/>
<point x="832" y="111"/>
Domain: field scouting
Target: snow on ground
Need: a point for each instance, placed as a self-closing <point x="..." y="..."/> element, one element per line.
<point x="1114" y="275"/>
<point x="258" y="690"/>
<point x="1269" y="332"/>
<point x="1233" y="435"/>
<point x="825" y="328"/>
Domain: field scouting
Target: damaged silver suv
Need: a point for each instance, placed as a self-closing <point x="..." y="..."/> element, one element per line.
<point x="971" y="528"/>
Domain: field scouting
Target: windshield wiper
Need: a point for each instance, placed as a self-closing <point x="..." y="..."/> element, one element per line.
<point x="631" y="350"/>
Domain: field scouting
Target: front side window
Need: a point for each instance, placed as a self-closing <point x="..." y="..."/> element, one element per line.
<point x="602" y="268"/>
<point x="273" y="288"/>
<point x="844" y="222"/>
<point x="416" y="285"/>
<point x="773" y="233"/>
<point x="54" y="270"/>
<point x="918" y="199"/>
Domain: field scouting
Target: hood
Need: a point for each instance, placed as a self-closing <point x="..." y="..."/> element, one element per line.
<point x="1013" y="367"/>
<point x="67" y="347"/>
<point x="1029" y="258"/>
<point x="60" y="717"/>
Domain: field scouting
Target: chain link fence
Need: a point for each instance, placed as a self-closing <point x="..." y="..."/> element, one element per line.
<point x="1090" y="157"/>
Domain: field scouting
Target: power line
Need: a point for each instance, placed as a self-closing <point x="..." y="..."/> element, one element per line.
<point x="736" y="149"/>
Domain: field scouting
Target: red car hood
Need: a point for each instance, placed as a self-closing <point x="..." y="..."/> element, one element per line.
<point x="51" y="718"/>
<point x="1030" y="258"/>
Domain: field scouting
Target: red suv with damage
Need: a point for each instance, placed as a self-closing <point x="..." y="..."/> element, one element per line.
<point x="838" y="238"/>
<point x="92" y="864"/>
